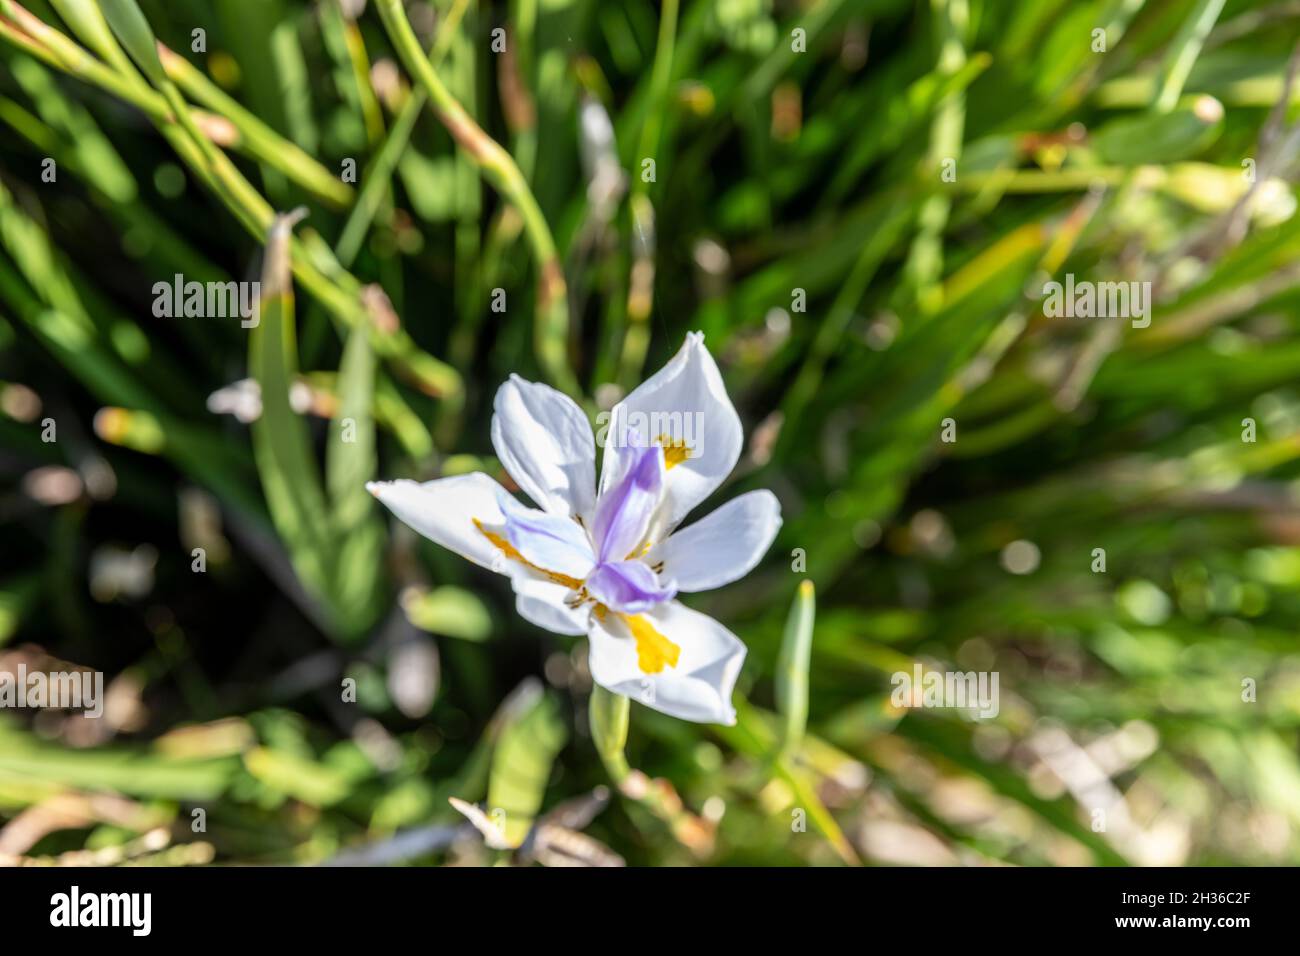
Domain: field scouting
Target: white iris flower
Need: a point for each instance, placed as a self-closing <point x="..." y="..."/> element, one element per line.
<point x="608" y="563"/>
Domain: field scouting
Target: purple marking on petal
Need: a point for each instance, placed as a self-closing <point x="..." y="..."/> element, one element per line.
<point x="547" y="540"/>
<point x="629" y="587"/>
<point x="624" y="511"/>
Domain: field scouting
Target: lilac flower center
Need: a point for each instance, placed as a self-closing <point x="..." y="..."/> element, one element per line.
<point x="608" y="563"/>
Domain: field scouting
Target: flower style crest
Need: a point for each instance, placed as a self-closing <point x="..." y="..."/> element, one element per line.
<point x="609" y="562"/>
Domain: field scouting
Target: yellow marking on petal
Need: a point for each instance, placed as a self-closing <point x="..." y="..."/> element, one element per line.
<point x="676" y="450"/>
<point x="638" y="552"/>
<point x="653" y="650"/>
<point x="511" y="552"/>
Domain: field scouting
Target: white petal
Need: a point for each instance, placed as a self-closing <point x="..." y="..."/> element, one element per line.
<point x="444" y="512"/>
<point x="698" y="688"/>
<point x="545" y="443"/>
<point x="721" y="547"/>
<point x="542" y="602"/>
<point x="686" y="399"/>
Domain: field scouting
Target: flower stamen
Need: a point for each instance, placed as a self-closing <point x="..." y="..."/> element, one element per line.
<point x="578" y="598"/>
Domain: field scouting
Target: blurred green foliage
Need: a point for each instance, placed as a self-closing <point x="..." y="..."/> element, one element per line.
<point x="859" y="203"/>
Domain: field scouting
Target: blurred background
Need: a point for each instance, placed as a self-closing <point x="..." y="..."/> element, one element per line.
<point x="859" y="203"/>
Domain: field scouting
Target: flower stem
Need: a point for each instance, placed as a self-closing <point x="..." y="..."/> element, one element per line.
<point x="792" y="668"/>
<point x="500" y="169"/>
<point x="244" y="131"/>
<point x="609" y="713"/>
<point x="185" y="129"/>
<point x="375" y="182"/>
<point x="641" y="282"/>
<point x="261" y="141"/>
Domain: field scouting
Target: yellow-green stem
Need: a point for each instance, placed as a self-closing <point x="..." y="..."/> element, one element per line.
<point x="499" y="169"/>
<point x="608" y="713"/>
